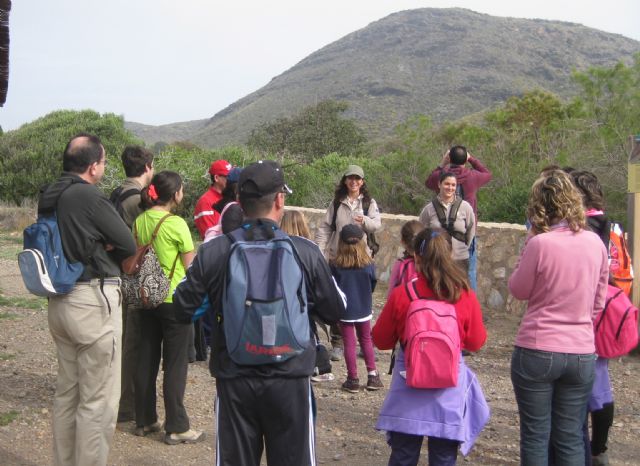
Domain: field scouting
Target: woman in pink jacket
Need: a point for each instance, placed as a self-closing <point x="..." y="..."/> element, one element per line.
<point x="562" y="272"/>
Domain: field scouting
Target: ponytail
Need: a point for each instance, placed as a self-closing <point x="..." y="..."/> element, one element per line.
<point x="162" y="189"/>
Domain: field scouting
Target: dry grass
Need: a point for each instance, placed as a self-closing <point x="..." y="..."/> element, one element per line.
<point x="17" y="218"/>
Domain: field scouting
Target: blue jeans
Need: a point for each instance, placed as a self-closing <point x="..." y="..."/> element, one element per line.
<point x="473" y="264"/>
<point x="405" y="450"/>
<point x="552" y="390"/>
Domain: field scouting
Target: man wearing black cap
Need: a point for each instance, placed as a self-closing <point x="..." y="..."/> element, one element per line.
<point x="267" y="404"/>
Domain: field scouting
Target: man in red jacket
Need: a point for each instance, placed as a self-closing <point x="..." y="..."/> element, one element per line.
<point x="469" y="181"/>
<point x="204" y="215"/>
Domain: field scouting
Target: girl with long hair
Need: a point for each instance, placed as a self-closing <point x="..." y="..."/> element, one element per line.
<point x="562" y="273"/>
<point x="450" y="417"/>
<point x="162" y="336"/>
<point x="355" y="274"/>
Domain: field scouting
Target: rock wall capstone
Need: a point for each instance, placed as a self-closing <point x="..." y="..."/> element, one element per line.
<point x="499" y="246"/>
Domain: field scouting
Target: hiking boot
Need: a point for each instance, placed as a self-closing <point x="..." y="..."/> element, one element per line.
<point x="600" y="460"/>
<point x="141" y="431"/>
<point x="337" y="353"/>
<point x="190" y="436"/>
<point x="351" y="385"/>
<point x="374" y="382"/>
<point x="323" y="377"/>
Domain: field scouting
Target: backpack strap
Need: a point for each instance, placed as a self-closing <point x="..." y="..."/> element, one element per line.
<point x="336" y="206"/>
<point x="366" y="203"/>
<point x="412" y="290"/>
<point x="403" y="271"/>
<point x="453" y="212"/>
<point x="440" y="212"/>
<point x="447" y="223"/>
<point x="153" y="237"/>
<point x="127" y="194"/>
<point x="604" y="310"/>
<point x="155" y="231"/>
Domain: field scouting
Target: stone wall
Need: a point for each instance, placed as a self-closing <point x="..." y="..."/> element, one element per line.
<point x="499" y="246"/>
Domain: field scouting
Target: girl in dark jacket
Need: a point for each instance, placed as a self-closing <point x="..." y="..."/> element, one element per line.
<point x="356" y="276"/>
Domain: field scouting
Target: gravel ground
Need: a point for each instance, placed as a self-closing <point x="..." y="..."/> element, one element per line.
<point x="345" y="425"/>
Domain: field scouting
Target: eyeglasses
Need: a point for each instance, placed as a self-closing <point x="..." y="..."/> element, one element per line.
<point x="354" y="177"/>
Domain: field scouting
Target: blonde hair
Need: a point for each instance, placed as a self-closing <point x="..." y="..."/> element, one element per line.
<point x="554" y="197"/>
<point x="352" y="256"/>
<point x="293" y="223"/>
<point x="434" y="261"/>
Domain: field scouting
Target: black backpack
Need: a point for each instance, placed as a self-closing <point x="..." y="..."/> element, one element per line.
<point x="447" y="223"/>
<point x="372" y="243"/>
<point x="118" y="197"/>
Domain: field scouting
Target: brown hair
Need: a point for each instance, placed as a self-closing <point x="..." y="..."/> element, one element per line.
<point x="164" y="186"/>
<point x="433" y="260"/>
<point x="554" y="197"/>
<point x="408" y="233"/>
<point x="352" y="256"/>
<point x="589" y="186"/>
<point x="293" y="223"/>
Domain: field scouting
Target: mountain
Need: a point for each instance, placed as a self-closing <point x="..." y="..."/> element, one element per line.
<point x="445" y="63"/>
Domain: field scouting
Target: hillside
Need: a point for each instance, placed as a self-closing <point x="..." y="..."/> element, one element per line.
<point x="446" y="63"/>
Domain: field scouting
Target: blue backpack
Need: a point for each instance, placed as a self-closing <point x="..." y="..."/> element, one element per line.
<point x="264" y="302"/>
<point x="45" y="269"/>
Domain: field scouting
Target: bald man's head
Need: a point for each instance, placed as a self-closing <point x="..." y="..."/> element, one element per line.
<point x="82" y="151"/>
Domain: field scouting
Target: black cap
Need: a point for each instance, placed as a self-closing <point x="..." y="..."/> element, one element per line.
<point x="351" y="233"/>
<point x="262" y="178"/>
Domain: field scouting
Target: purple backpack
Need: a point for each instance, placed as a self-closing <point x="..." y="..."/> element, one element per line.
<point x="431" y="342"/>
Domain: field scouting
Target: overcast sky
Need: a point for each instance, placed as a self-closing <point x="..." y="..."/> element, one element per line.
<point x="161" y="61"/>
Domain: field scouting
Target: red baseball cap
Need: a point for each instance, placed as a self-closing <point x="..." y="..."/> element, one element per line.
<point x="220" y="167"/>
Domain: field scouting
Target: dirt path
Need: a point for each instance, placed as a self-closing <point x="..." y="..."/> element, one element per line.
<point x="345" y="433"/>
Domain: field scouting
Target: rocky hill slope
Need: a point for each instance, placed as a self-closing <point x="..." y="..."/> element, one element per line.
<point x="445" y="63"/>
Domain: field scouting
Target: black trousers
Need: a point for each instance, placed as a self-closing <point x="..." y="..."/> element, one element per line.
<point x="276" y="412"/>
<point x="162" y="335"/>
<point x="601" y="422"/>
<point x="130" y="342"/>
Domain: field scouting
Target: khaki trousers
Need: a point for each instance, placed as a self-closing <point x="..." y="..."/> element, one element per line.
<point x="87" y="339"/>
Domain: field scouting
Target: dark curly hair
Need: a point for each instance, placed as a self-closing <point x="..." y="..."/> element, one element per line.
<point x="342" y="191"/>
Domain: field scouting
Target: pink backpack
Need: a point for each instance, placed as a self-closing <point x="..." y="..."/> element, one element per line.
<point x="616" y="328"/>
<point x="216" y="230"/>
<point x="407" y="271"/>
<point x="432" y="342"/>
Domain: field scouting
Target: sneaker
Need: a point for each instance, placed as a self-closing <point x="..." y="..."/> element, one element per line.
<point x="141" y="431"/>
<point x="351" y="385"/>
<point x="323" y="377"/>
<point x="190" y="436"/>
<point x="374" y="382"/>
<point x="600" y="460"/>
<point x="337" y="353"/>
